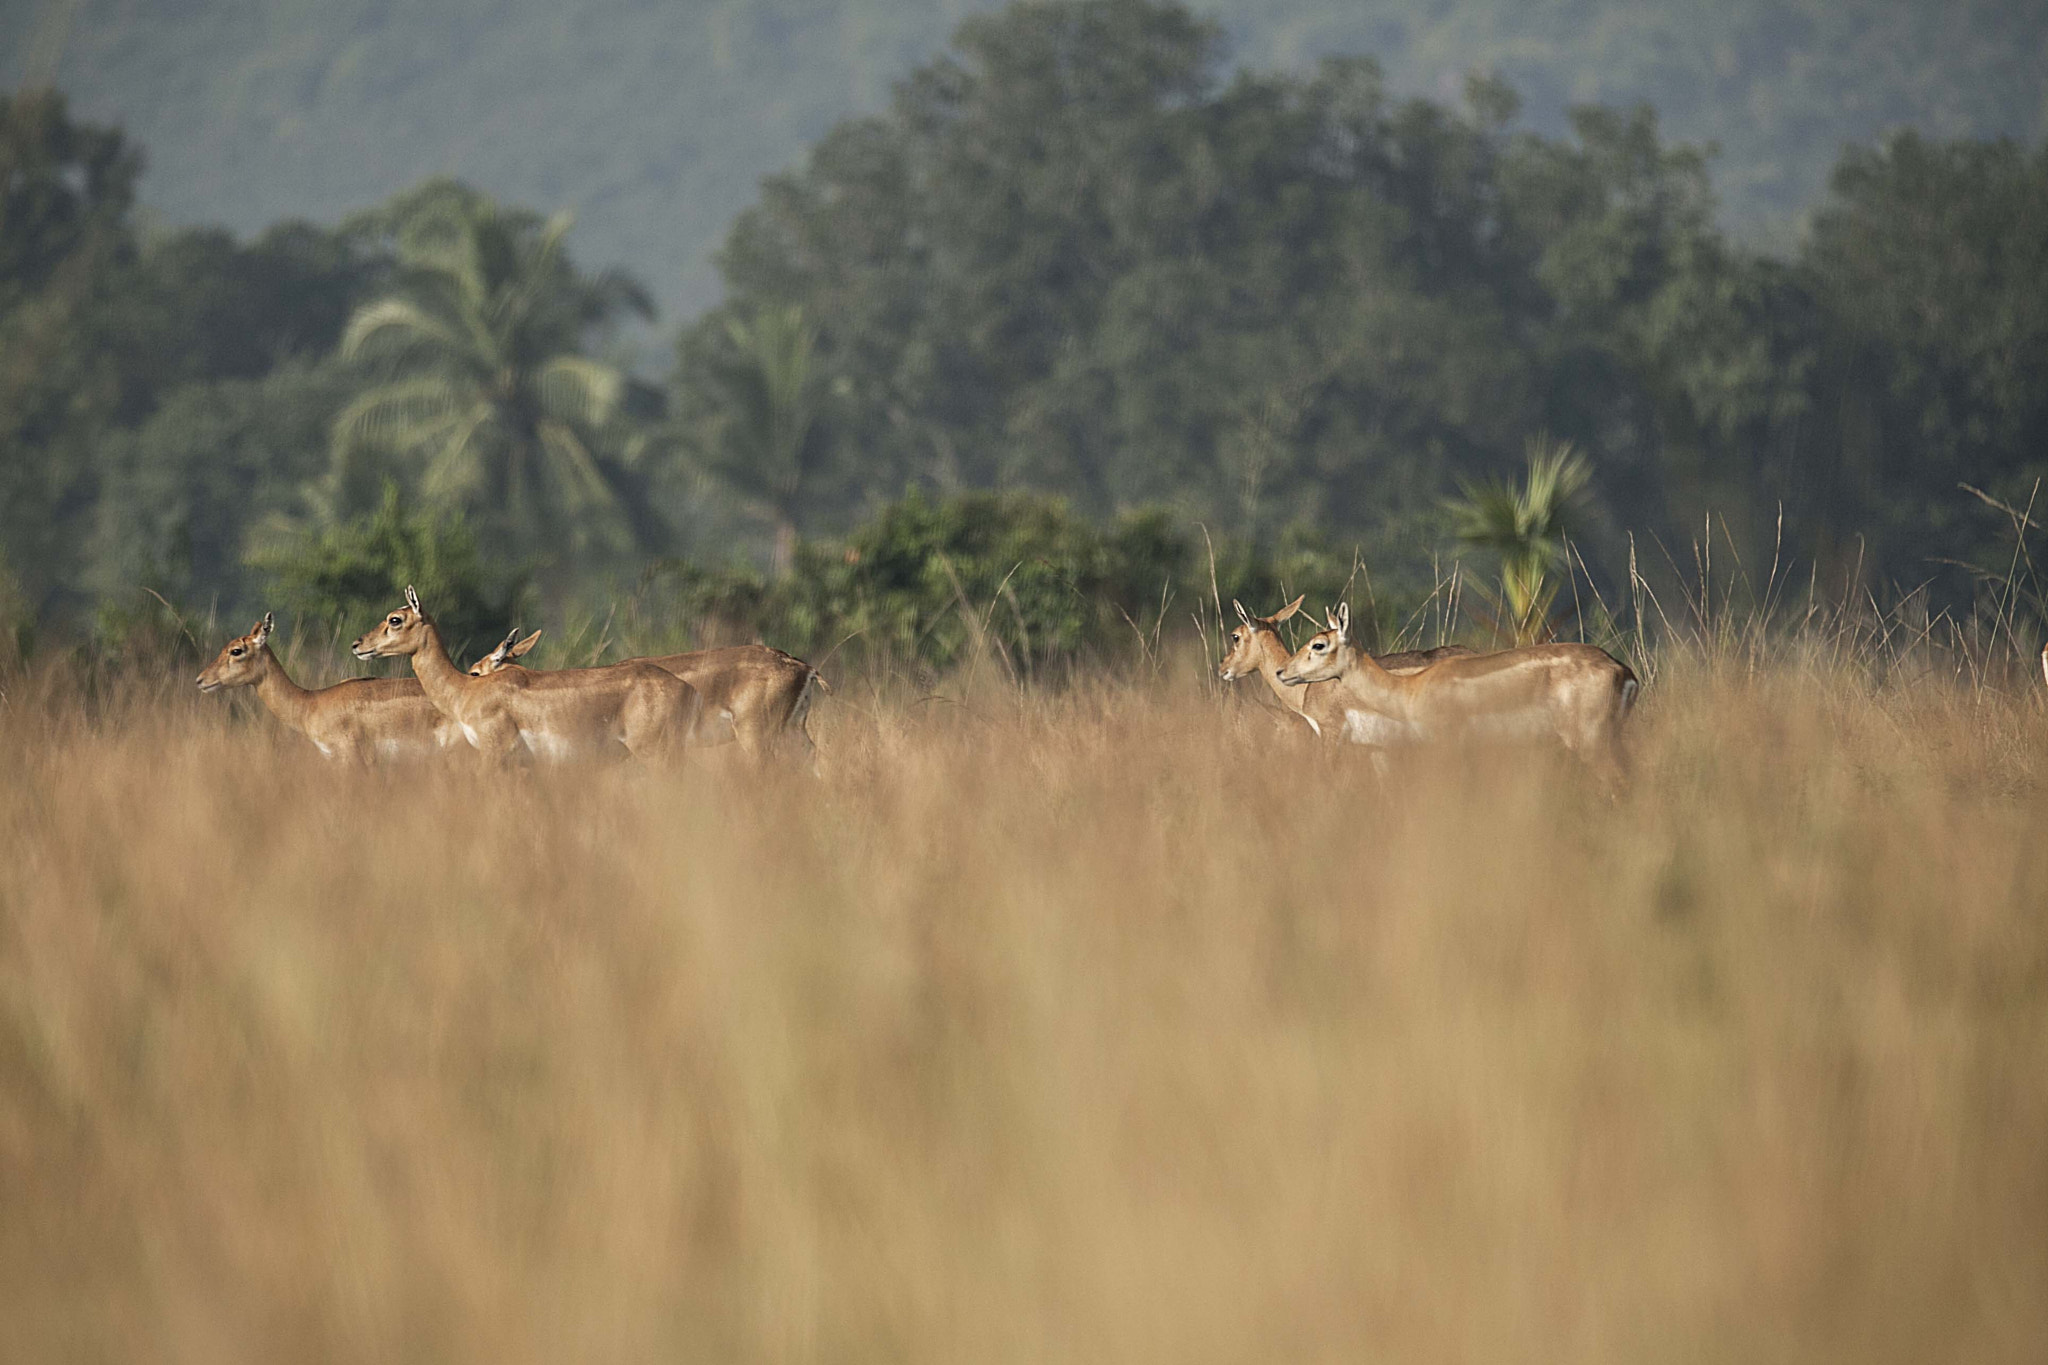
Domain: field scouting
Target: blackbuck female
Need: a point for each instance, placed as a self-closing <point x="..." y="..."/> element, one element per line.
<point x="573" y="713"/>
<point x="754" y="696"/>
<point x="353" y="721"/>
<point x="1256" y="647"/>
<point x="1577" y="695"/>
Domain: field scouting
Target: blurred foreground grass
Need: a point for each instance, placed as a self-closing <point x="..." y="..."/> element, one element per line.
<point x="1084" y="1027"/>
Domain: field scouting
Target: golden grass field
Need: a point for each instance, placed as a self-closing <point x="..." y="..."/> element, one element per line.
<point x="1080" y="1026"/>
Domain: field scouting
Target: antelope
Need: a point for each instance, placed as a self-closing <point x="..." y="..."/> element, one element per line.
<point x="754" y="696"/>
<point x="573" y="713"/>
<point x="353" y="721"/>
<point x="1576" y="694"/>
<point x="1256" y="647"/>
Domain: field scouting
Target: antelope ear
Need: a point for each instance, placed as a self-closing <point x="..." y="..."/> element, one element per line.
<point x="524" y="646"/>
<point x="261" y="629"/>
<point x="1330" y="618"/>
<point x="1288" y="610"/>
<point x="1242" y="614"/>
<point x="1344" y="620"/>
<point x="412" y="599"/>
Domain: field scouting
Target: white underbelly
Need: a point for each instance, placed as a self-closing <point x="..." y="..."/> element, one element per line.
<point x="1370" y="727"/>
<point x="547" y="747"/>
<point x="1510" y="725"/>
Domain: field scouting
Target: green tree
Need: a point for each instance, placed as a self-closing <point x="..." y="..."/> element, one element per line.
<point x="68" y="371"/>
<point x="1078" y="254"/>
<point x="486" y="398"/>
<point x="218" y="465"/>
<point x="344" y="576"/>
<point x="1526" y="527"/>
<point x="1929" y="261"/>
<point x="754" y="427"/>
<point x="242" y="395"/>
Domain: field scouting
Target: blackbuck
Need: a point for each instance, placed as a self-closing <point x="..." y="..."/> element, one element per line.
<point x="754" y="696"/>
<point x="568" y="714"/>
<point x="356" y="721"/>
<point x="1576" y="695"/>
<point x="1256" y="647"/>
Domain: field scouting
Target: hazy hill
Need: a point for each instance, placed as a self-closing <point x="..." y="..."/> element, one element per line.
<point x="654" y="120"/>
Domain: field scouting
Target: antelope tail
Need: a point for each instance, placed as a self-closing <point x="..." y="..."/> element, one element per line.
<point x="801" y="712"/>
<point x="1625" y="698"/>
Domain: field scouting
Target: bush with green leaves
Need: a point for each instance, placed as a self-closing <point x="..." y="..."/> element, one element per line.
<point x="341" y="578"/>
<point x="1018" y="578"/>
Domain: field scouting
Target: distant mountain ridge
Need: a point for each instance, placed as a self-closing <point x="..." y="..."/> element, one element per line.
<point x="654" y="121"/>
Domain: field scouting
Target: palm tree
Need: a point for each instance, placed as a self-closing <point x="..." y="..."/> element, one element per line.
<point x="488" y="401"/>
<point x="759" y="435"/>
<point x="1526" y="527"/>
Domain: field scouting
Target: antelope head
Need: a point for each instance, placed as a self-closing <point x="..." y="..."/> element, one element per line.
<point x="403" y="632"/>
<point x="241" y="663"/>
<point x="1242" y="660"/>
<point x="1321" y="658"/>
<point x="509" y="648"/>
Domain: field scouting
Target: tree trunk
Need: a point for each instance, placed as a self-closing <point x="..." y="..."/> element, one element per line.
<point x="782" y="558"/>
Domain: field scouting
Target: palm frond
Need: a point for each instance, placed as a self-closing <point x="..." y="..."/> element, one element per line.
<point x="585" y="480"/>
<point x="397" y="415"/>
<point x="398" y="323"/>
<point x="1526" y="527"/>
<point x="575" y="388"/>
<point x="767" y="387"/>
<point x="457" y="468"/>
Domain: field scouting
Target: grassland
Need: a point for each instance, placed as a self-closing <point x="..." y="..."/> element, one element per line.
<point x="1079" y="1026"/>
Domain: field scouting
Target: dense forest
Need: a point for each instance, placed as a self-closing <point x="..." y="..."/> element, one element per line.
<point x="1085" y="290"/>
<point x="654" y="121"/>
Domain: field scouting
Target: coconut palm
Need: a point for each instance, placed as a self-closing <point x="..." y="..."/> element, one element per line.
<point x="759" y="434"/>
<point x="486" y="400"/>
<point x="1526" y="527"/>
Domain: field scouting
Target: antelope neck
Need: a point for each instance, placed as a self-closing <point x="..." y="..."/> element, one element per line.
<point x="439" y="678"/>
<point x="1363" y="677"/>
<point x="282" y="697"/>
<point x="1273" y="655"/>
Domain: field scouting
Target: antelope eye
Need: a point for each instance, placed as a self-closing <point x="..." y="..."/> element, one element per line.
<point x="1321" y="645"/>
<point x="236" y="651"/>
<point x="398" y="620"/>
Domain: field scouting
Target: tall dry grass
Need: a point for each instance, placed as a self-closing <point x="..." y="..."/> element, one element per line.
<point x="1092" y="1026"/>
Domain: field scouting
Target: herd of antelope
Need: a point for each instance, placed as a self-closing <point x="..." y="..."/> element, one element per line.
<point x="751" y="696"/>
<point x="759" y="698"/>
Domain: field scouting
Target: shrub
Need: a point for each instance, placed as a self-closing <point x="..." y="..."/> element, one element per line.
<point x="1017" y="575"/>
<point x="346" y="575"/>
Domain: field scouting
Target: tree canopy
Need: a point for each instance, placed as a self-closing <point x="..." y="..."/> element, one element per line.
<point x="486" y="399"/>
<point x="1082" y="256"/>
<point x="654" y="121"/>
